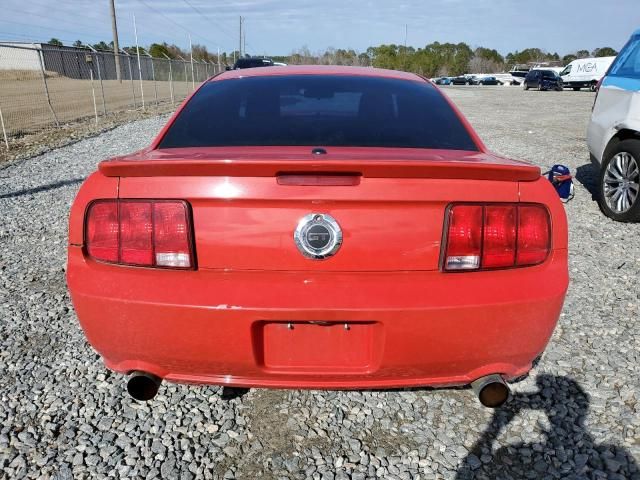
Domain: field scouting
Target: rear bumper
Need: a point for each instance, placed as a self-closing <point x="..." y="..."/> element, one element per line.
<point x="578" y="84"/>
<point x="256" y="328"/>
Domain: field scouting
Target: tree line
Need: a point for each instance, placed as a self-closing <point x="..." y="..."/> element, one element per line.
<point x="438" y="59"/>
<point x="434" y="59"/>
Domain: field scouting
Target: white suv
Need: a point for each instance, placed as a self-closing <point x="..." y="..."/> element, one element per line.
<point x="614" y="135"/>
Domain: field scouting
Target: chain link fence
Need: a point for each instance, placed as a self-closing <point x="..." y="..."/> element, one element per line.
<point x="43" y="87"/>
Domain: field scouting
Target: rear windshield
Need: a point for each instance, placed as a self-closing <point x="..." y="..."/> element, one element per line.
<point x="627" y="64"/>
<point x="318" y="110"/>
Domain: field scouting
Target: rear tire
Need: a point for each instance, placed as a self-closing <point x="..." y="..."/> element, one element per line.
<point x="592" y="86"/>
<point x="619" y="182"/>
<point x="526" y="86"/>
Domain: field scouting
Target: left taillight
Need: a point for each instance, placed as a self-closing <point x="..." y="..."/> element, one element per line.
<point x="146" y="233"/>
<point x="492" y="236"/>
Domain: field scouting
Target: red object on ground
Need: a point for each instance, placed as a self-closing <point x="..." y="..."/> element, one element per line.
<point x="238" y="304"/>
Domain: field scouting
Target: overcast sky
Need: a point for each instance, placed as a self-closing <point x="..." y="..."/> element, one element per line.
<point x="280" y="26"/>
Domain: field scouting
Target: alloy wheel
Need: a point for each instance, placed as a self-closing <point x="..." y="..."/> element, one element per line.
<point x="621" y="182"/>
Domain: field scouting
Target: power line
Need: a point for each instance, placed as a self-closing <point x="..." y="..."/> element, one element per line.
<point x="158" y="12"/>
<point x="197" y="10"/>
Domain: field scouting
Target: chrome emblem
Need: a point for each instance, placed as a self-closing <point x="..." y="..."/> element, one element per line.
<point x="318" y="236"/>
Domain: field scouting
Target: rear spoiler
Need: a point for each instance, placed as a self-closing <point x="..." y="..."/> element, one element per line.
<point x="446" y="169"/>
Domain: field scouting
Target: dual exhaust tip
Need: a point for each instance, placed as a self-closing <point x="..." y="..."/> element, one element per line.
<point x="492" y="391"/>
<point x="143" y="386"/>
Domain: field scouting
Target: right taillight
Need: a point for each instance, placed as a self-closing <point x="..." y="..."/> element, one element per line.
<point x="146" y="233"/>
<point x="492" y="236"/>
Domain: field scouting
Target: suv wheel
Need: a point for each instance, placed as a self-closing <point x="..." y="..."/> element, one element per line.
<point x="619" y="184"/>
<point x="526" y="86"/>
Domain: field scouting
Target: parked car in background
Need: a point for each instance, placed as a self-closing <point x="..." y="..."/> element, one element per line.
<point x="585" y="72"/>
<point x="443" y="81"/>
<point x="508" y="79"/>
<point x="486" y="81"/>
<point x="328" y="228"/>
<point x="543" y="80"/>
<point x="460" y="80"/>
<point x="613" y="135"/>
<point x="252" y="62"/>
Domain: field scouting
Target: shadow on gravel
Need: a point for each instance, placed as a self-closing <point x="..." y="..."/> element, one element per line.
<point x="587" y="175"/>
<point x="42" y="188"/>
<point x="231" y="393"/>
<point x="568" y="451"/>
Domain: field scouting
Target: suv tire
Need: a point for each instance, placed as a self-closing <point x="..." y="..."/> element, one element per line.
<point x="621" y="160"/>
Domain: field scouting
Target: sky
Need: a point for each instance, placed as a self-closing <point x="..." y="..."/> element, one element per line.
<point x="278" y="27"/>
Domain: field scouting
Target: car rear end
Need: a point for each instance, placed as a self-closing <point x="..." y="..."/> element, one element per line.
<point x="613" y="135"/>
<point x="451" y="263"/>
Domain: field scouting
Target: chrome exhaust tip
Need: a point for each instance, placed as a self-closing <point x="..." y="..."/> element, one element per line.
<point x="492" y="390"/>
<point x="143" y="386"/>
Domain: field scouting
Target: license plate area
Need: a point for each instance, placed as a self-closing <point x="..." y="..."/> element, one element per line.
<point x="318" y="347"/>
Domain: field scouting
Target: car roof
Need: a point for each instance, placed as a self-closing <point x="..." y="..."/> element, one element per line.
<point x="317" y="70"/>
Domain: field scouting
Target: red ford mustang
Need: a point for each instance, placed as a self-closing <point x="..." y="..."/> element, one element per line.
<point x="318" y="227"/>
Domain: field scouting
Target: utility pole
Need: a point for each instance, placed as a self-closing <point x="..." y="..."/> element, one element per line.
<point x="240" y="46"/>
<point x="406" y="28"/>
<point x="193" y="81"/>
<point x="116" y="48"/>
<point x="135" y="31"/>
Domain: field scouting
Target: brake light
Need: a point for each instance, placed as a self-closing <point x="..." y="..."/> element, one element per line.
<point x="491" y="236"/>
<point x="597" y="90"/>
<point x="149" y="233"/>
<point x="499" y="236"/>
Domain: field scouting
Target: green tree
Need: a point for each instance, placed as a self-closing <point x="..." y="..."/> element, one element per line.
<point x="78" y="44"/>
<point x="55" y="41"/>
<point x="567" y="59"/>
<point x="133" y="51"/>
<point x="489" y="54"/>
<point x="159" y="50"/>
<point x="102" y="46"/>
<point x="583" y="54"/>
<point x="485" y="60"/>
<point x="604" y="52"/>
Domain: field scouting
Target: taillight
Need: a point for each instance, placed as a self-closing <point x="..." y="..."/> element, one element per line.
<point x="148" y="233"/>
<point x="491" y="236"/>
<point x="597" y="90"/>
<point x="464" y="245"/>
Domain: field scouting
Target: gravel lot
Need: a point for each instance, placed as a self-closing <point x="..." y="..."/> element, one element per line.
<point x="63" y="415"/>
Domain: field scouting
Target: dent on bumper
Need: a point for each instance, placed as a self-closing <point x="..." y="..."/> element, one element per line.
<point x="318" y="330"/>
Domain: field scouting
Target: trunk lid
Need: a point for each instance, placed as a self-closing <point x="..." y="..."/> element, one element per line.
<point x="391" y="211"/>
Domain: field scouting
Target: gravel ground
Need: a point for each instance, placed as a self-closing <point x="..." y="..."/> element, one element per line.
<point x="63" y="415"/>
